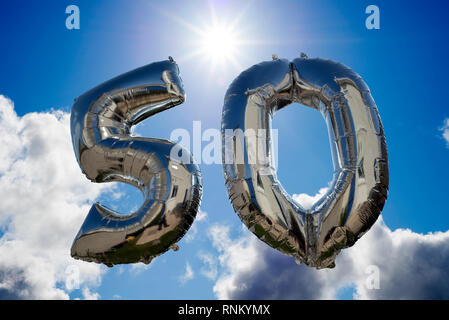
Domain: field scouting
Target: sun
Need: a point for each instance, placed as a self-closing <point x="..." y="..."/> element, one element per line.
<point x="219" y="44"/>
<point x="220" y="41"/>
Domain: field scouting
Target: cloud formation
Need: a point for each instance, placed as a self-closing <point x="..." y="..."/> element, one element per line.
<point x="404" y="264"/>
<point x="201" y="216"/>
<point x="188" y="274"/>
<point x="210" y="268"/>
<point x="306" y="200"/>
<point x="44" y="201"/>
<point x="445" y="130"/>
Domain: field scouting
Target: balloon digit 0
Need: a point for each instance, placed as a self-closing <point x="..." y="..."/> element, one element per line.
<point x="359" y="187"/>
<point x="101" y="121"/>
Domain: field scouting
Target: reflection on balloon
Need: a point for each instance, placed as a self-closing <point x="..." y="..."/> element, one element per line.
<point x="101" y="122"/>
<point x="359" y="186"/>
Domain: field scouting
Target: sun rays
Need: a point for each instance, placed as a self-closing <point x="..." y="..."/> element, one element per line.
<point x="218" y="41"/>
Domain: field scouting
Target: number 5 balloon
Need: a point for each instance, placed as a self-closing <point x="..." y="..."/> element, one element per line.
<point x="101" y="122"/>
<point x="359" y="187"/>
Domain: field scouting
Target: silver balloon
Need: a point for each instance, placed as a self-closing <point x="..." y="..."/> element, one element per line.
<point x="359" y="187"/>
<point x="101" y="122"/>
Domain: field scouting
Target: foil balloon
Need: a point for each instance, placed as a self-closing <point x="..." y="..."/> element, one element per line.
<point x="101" y="122"/>
<point x="359" y="187"/>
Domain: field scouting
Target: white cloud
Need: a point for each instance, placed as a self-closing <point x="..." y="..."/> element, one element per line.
<point x="88" y="295"/>
<point x="44" y="200"/>
<point x="445" y="130"/>
<point x="411" y="266"/>
<point x="188" y="274"/>
<point x="137" y="268"/>
<point x="307" y="201"/>
<point x="201" y="216"/>
<point x="235" y="256"/>
<point x="210" y="269"/>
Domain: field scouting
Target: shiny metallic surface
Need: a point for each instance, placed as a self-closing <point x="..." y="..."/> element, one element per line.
<point x="101" y="122"/>
<point x="359" y="187"/>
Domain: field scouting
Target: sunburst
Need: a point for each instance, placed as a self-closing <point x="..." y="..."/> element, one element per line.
<point x="220" y="42"/>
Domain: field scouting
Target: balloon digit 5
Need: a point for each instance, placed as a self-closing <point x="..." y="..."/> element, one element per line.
<point x="101" y="122"/>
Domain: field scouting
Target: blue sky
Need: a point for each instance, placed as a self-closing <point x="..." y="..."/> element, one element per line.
<point x="45" y="66"/>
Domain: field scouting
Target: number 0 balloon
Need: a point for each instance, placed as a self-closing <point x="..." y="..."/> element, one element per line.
<point x="101" y="122"/>
<point x="359" y="187"/>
